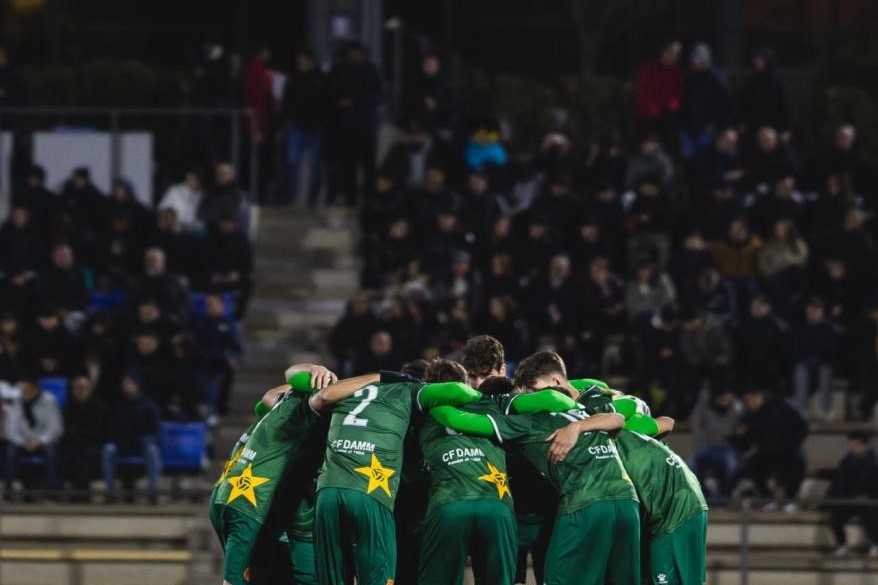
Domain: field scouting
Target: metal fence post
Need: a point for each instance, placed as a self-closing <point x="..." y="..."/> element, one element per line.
<point x="746" y="506"/>
<point x="235" y="134"/>
<point x="115" y="144"/>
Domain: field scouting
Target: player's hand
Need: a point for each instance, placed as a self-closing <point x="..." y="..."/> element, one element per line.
<point x="321" y="377"/>
<point x="563" y="440"/>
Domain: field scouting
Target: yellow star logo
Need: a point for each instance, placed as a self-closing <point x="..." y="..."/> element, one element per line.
<point x="498" y="478"/>
<point x="230" y="463"/>
<point x="245" y="485"/>
<point x="378" y="475"/>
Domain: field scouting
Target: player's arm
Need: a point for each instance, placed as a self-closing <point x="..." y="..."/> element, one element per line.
<point x="464" y="422"/>
<point x="585" y="383"/>
<point x="319" y="376"/>
<point x="563" y="440"/>
<point x="324" y="399"/>
<point x="446" y="393"/>
<point x="542" y="401"/>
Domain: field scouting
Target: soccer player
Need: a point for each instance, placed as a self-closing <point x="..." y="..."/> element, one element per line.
<point x="277" y="445"/>
<point x="596" y="538"/>
<point x="483" y="357"/>
<point x="354" y="527"/>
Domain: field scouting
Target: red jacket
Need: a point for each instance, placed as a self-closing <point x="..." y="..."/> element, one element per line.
<point x="257" y="95"/>
<point x="659" y="88"/>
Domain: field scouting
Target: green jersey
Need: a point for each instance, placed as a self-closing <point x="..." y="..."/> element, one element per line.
<point x="277" y="441"/>
<point x="302" y="525"/>
<point x="464" y="467"/>
<point x="592" y="471"/>
<point x="669" y="492"/>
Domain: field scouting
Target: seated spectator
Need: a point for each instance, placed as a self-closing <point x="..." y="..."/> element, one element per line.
<point x="782" y="262"/>
<point x="556" y="156"/>
<point x="166" y="288"/>
<point x="429" y="103"/>
<point x="553" y="300"/>
<point x="149" y="314"/>
<point x="659" y="347"/>
<point x="225" y="199"/>
<point x="714" y="421"/>
<point x="485" y="149"/>
<point x="648" y="291"/>
<point x="720" y="208"/>
<point x="855" y="478"/>
<point x="503" y="324"/>
<point x="81" y="203"/>
<point x="856" y="247"/>
<point x="217" y="338"/>
<point x="183" y="252"/>
<point x="150" y="355"/>
<point x="590" y="242"/>
<point x="716" y="295"/>
<point x="692" y="260"/>
<point x="866" y="354"/>
<point x="123" y="202"/>
<point x="443" y="242"/>
<point x="560" y="208"/>
<point x="405" y="323"/>
<point x="705" y="359"/>
<point x="649" y="221"/>
<point x="65" y="284"/>
<point x="770" y="437"/>
<point x="606" y="208"/>
<point x="380" y="355"/>
<point x="121" y="253"/>
<point x="825" y="214"/>
<point x="350" y="336"/>
<point x="650" y="162"/>
<point x="384" y="203"/>
<point x="49" y="349"/>
<point x="22" y="247"/>
<point x="784" y="202"/>
<point x="705" y="108"/>
<point x="33" y="427"/>
<point x="460" y="281"/>
<point x="104" y="342"/>
<point x="770" y="160"/>
<point x="426" y="203"/>
<point x="532" y="252"/>
<point x="812" y="346"/>
<point x="85" y="426"/>
<point x="229" y="261"/>
<point x="41" y="204"/>
<point x="184" y="199"/>
<point x="499" y="279"/>
<point x="759" y="348"/>
<point x="188" y="398"/>
<point x="133" y="432"/>
<point x="736" y="256"/>
<point x="605" y="165"/>
<point x="10" y="366"/>
<point x="718" y="164"/>
<point x="391" y="254"/>
<point x="602" y="311"/>
<point x="845" y="158"/>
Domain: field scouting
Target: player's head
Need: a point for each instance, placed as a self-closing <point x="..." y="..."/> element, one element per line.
<point x="483" y="356"/>
<point x="544" y="369"/>
<point x="443" y="370"/>
<point x="416" y="369"/>
<point x="496" y="385"/>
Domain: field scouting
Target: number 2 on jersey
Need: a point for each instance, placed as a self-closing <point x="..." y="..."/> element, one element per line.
<point x="368" y="394"/>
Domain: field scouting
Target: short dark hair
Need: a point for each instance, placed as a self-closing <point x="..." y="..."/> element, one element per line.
<point x="859" y="436"/>
<point x="538" y="365"/>
<point x="443" y="370"/>
<point x="416" y="369"/>
<point x="496" y="385"/>
<point x="482" y="355"/>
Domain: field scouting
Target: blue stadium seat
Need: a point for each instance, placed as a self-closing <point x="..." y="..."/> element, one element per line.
<point x="184" y="446"/>
<point x="198" y="305"/>
<point x="57" y="387"/>
<point x="106" y="301"/>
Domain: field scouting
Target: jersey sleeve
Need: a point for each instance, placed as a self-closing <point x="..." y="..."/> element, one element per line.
<point x="583" y="383"/>
<point x="542" y="401"/>
<point x="446" y="393"/>
<point x="469" y="423"/>
<point x="260" y="409"/>
<point x="645" y="425"/>
<point x="300" y="382"/>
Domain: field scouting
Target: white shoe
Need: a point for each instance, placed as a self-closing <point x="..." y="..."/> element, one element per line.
<point x="771" y="507"/>
<point x="790" y="508"/>
<point x="841" y="552"/>
<point x="873" y="551"/>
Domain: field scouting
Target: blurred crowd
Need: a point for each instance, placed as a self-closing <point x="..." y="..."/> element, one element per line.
<point x="115" y="317"/>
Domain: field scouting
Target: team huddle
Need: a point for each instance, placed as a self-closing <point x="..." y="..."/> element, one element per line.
<point x="400" y="477"/>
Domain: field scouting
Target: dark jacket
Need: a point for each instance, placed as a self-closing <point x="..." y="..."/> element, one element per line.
<point x="303" y="101"/>
<point x="705" y="101"/>
<point x="777" y="429"/>
<point x="131" y="421"/>
<point x="764" y="99"/>
<point x="855" y="476"/>
<point x="85" y="423"/>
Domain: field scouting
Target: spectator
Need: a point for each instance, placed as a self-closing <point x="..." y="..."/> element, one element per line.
<point x="182" y="250"/>
<point x="157" y="283"/>
<point x="782" y="262"/>
<point x="429" y="101"/>
<point x="503" y="324"/>
<point x="704" y="108"/>
<point x="718" y="164"/>
<point x="303" y="104"/>
<point x="380" y="355"/>
<point x="650" y="162"/>
<point x="49" y="348"/>
<point x="856" y="477"/>
<point x="825" y="214"/>
<point x="714" y="421"/>
<point x="658" y="343"/>
<point x="230" y="261"/>
<point x="706" y="356"/>
<point x="353" y="94"/>
<point x="37" y="199"/>
<point x="606" y="208"/>
<point x="499" y="279"/>
<point x="224" y="199"/>
<point x="133" y="432"/>
<point x="845" y="159"/>
<point x="590" y="243"/>
<point x="532" y="252"/>
<point x="123" y="202"/>
<point x="716" y="295"/>
<point x="33" y="427"/>
<point x="257" y="81"/>
<point x="427" y="202"/>
<point x="717" y="212"/>
<point x="480" y="206"/>
<point x="217" y="338"/>
<point x="763" y="98"/>
<point x="22" y="253"/>
<point x="759" y="346"/>
<point x="866" y="352"/>
<point x="812" y="345"/>
<point x="11" y="87"/>
<point x="649" y="291"/>
<point x="85" y="426"/>
<point x="562" y="209"/>
<point x="10" y="350"/>
<point x="64" y="285"/>
<point x="770" y="161"/>
<point x="350" y="336"/>
<point x="82" y="204"/>
<point x="659" y="89"/>
<point x="552" y="301"/>
<point x="736" y="256"/>
<point x="770" y="435"/>
<point x="649" y="221"/>
<point x="184" y="199"/>
<point x="692" y="260"/>
<point x="605" y="166"/>
<point x="783" y="203"/>
<point x="602" y="311"/>
<point x="485" y="149"/>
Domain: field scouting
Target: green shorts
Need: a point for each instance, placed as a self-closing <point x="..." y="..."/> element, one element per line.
<point x="354" y="535"/>
<point x="482" y="529"/>
<point x="678" y="557"/>
<point x="302" y="556"/>
<point x="534" y="532"/>
<point x="596" y="545"/>
<point x="238" y="534"/>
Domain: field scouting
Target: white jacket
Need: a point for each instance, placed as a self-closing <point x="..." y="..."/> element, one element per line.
<point x="49" y="423"/>
<point x="185" y="202"/>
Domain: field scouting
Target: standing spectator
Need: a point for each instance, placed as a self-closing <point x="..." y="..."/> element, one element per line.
<point x="82" y="204"/>
<point x="714" y="421"/>
<point x="650" y="162"/>
<point x="648" y="291"/>
<point x="764" y="99"/>
<point x="759" y="351"/>
<point x="706" y="356"/>
<point x="85" y="426"/>
<point x="704" y="109"/>
<point x="133" y="431"/>
<point x="33" y="427"/>
<point x="303" y="104"/>
<point x="782" y="262"/>
<point x="736" y="256"/>
<point x="812" y="345"/>
<point x="258" y="98"/>
<point x="771" y="434"/>
<point x="224" y="199"/>
<point x="230" y="261"/>
<point x="659" y="90"/>
<point x="429" y="101"/>
<point x="37" y="199"/>
<point x="856" y="477"/>
<point x="353" y="95"/>
<point x="184" y="199"/>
